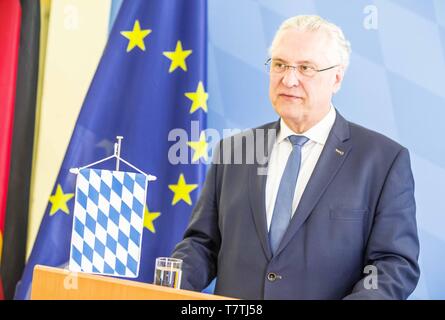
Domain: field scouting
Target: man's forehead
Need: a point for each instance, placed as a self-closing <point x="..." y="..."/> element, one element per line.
<point x="301" y="46"/>
<point x="314" y="36"/>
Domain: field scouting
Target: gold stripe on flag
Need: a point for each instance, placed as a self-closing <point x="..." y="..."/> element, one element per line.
<point x="77" y="31"/>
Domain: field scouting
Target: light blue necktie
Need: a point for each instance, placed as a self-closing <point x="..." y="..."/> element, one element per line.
<point x="282" y="211"/>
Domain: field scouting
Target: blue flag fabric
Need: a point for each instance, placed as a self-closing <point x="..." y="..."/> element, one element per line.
<point x="151" y="80"/>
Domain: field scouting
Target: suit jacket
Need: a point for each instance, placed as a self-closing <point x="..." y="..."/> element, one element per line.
<point x="357" y="210"/>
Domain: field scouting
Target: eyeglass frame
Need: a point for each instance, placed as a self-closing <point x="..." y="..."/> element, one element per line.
<point x="287" y="67"/>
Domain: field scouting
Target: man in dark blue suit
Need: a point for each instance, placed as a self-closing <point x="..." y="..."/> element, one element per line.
<point x="327" y="213"/>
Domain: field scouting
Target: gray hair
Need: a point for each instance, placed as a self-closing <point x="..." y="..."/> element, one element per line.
<point x="313" y="23"/>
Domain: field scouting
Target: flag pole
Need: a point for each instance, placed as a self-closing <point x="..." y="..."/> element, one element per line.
<point x="117" y="155"/>
<point x="117" y="150"/>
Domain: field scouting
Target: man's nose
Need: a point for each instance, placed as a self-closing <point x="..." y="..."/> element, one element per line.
<point x="291" y="78"/>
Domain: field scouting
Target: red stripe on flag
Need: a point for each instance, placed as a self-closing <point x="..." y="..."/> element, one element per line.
<point x="10" y="15"/>
<point x="2" y="296"/>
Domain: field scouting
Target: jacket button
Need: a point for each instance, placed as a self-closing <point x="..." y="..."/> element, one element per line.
<point x="272" y="276"/>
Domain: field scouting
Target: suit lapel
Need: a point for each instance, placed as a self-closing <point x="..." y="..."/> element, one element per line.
<point x="331" y="159"/>
<point x="257" y="186"/>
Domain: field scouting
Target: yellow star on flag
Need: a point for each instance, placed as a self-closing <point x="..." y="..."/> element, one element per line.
<point x="199" y="98"/>
<point x="182" y="190"/>
<point x="59" y="200"/>
<point x="136" y="36"/>
<point x="149" y="217"/>
<point x="177" y="57"/>
<point x="200" y="148"/>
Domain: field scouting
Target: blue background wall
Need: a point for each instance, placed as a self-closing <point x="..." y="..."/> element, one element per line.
<point x="395" y="85"/>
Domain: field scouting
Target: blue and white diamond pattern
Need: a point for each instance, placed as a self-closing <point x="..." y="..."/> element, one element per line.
<point x="108" y="222"/>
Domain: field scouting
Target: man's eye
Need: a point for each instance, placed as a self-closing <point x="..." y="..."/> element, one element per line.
<point x="279" y="65"/>
<point x="304" y="67"/>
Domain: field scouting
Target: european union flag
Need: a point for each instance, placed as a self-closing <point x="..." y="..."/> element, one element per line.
<point x="150" y="88"/>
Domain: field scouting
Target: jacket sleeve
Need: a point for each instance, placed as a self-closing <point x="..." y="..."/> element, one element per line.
<point x="200" y="246"/>
<point x="393" y="246"/>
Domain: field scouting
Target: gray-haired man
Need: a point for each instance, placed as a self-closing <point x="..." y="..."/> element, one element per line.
<point x="337" y="199"/>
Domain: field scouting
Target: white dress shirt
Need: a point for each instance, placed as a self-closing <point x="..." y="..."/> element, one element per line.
<point x="310" y="153"/>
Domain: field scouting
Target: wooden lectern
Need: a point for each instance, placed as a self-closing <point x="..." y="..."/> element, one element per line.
<point x="59" y="284"/>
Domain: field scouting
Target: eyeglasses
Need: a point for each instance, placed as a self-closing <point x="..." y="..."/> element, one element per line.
<point x="308" y="70"/>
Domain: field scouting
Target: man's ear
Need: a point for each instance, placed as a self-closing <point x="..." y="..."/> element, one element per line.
<point x="338" y="79"/>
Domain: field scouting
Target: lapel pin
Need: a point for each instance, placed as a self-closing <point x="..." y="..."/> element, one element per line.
<point x="339" y="151"/>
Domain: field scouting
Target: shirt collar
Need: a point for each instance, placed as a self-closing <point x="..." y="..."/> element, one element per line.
<point x="318" y="133"/>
